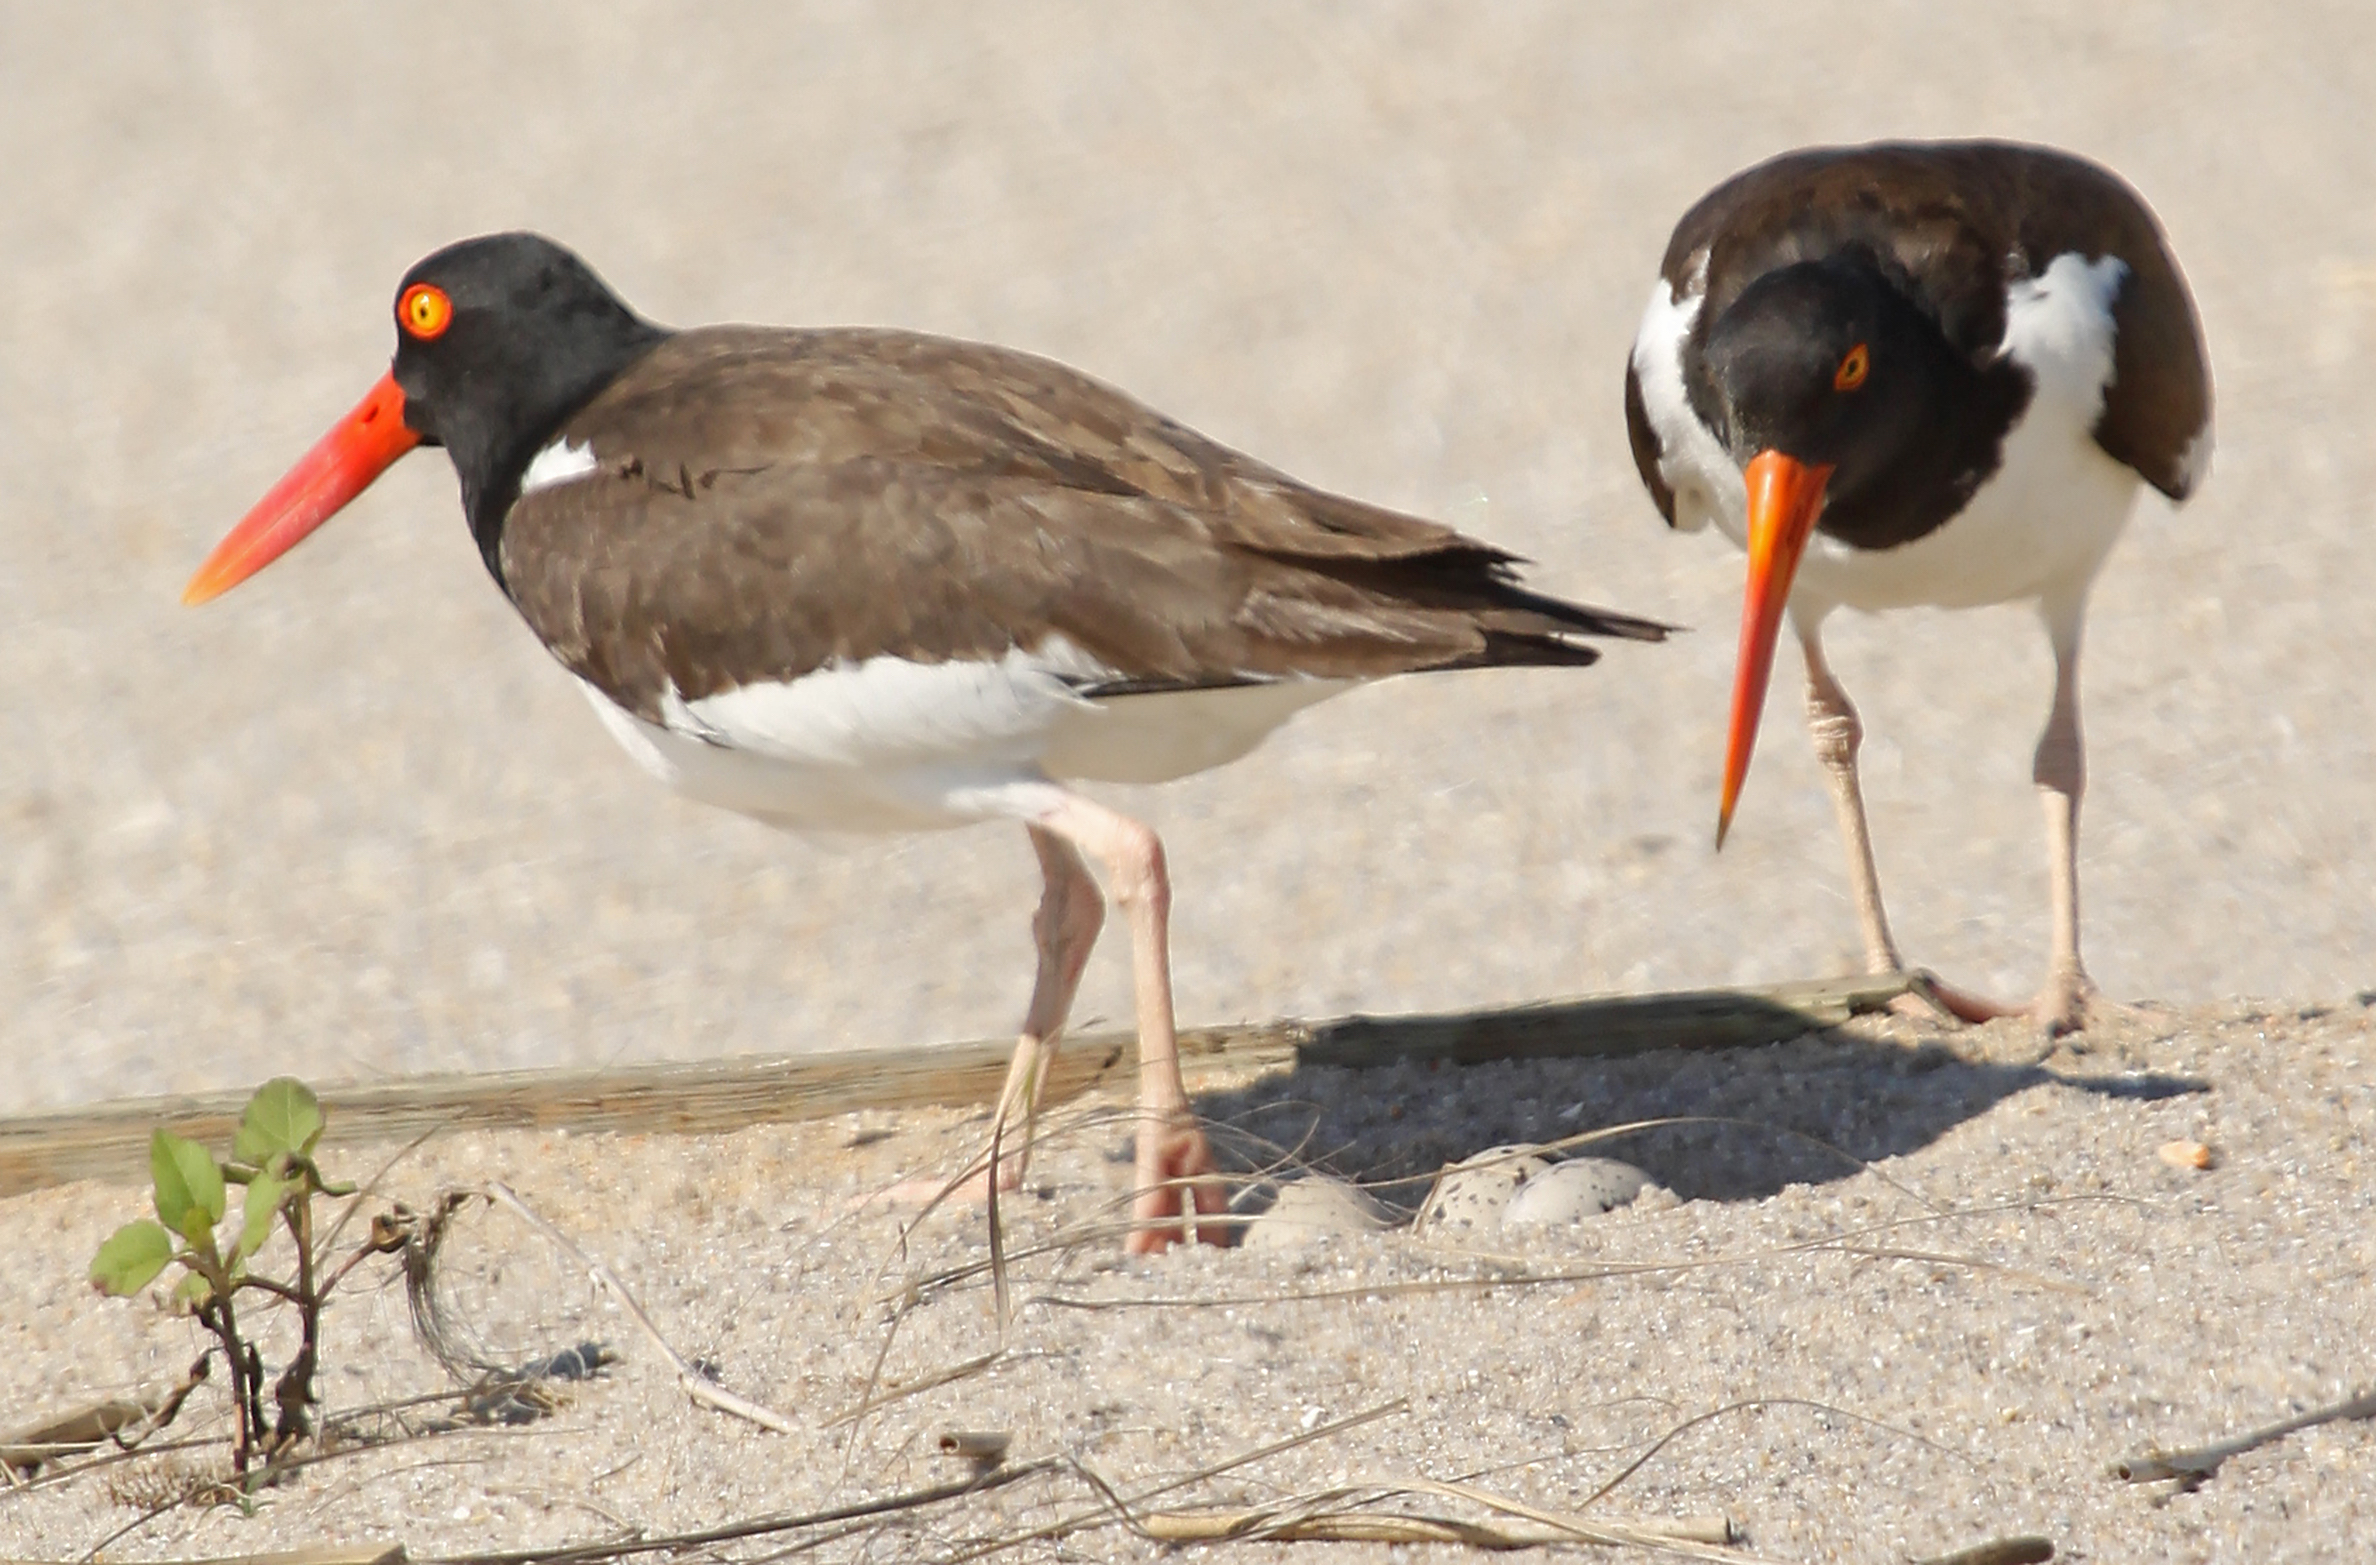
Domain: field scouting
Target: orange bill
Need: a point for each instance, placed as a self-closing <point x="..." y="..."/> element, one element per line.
<point x="1785" y="497"/>
<point x="341" y="465"/>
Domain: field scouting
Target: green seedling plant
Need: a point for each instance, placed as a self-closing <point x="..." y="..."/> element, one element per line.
<point x="272" y="1163"/>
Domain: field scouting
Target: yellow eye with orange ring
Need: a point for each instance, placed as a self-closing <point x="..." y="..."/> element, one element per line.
<point x="1853" y="369"/>
<point x="425" y="311"/>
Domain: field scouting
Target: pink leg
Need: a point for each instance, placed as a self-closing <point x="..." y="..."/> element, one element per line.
<point x="1174" y="1163"/>
<point x="2060" y="772"/>
<point x="1065" y="930"/>
<point x="1833" y="723"/>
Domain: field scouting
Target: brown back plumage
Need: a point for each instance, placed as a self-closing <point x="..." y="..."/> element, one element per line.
<point x="766" y="502"/>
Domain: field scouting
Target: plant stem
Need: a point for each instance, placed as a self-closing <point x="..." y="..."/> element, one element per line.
<point x="294" y="1392"/>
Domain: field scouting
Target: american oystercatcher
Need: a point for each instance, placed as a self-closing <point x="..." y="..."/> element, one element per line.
<point x="1919" y="374"/>
<point x="858" y="580"/>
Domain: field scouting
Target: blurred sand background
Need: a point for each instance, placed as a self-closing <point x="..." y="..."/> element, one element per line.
<point x="352" y="821"/>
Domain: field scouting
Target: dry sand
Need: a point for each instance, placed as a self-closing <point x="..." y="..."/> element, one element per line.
<point x="1949" y="1345"/>
<point x="351" y="822"/>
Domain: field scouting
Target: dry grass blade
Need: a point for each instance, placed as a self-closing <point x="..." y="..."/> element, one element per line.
<point x="697" y="1385"/>
<point x="1693" y="1422"/>
<point x="1310" y="1521"/>
<point x="1516" y="1272"/>
<point x="1664" y="1538"/>
<point x="1968" y="1262"/>
<point x="908" y="1388"/>
<point x="2198" y="1464"/>
<point x="1123" y="1510"/>
<point x="758" y="1527"/>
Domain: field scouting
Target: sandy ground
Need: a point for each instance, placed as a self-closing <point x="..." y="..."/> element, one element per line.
<point x="1951" y="1343"/>
<point x="351" y="822"/>
<point x="353" y="819"/>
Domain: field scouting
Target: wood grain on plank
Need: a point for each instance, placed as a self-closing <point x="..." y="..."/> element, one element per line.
<point x="110" y="1140"/>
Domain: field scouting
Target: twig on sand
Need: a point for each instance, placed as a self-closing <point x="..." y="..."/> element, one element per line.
<point x="975" y="1445"/>
<point x="2198" y="1464"/>
<point x="697" y="1385"/>
<point x="1998" y="1551"/>
<point x="125" y="1422"/>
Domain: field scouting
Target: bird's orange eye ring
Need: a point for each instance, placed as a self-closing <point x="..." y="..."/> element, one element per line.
<point x="424" y="311"/>
<point x="1853" y="369"/>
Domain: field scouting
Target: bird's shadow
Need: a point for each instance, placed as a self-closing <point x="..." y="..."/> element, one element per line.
<point x="1754" y="1119"/>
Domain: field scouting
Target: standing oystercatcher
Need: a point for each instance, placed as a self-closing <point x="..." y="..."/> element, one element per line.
<point x="1919" y="374"/>
<point x="876" y="581"/>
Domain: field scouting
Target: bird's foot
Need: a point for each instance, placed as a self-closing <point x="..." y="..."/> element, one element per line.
<point x="1932" y="999"/>
<point x="1176" y="1185"/>
<point x="928" y="1191"/>
<point x="2071" y="1003"/>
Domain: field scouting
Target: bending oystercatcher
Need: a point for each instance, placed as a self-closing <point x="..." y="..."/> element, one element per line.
<point x="1919" y="374"/>
<point x="872" y="580"/>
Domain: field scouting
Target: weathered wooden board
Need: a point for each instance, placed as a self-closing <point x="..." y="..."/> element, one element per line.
<point x="110" y="1140"/>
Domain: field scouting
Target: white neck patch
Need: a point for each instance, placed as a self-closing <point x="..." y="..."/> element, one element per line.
<point x="558" y="463"/>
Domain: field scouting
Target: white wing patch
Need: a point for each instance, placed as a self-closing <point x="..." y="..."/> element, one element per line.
<point x="887" y="744"/>
<point x="558" y="463"/>
<point x="887" y="711"/>
<point x="2058" y="326"/>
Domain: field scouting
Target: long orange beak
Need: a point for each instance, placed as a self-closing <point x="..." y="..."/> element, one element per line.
<point x="1785" y="497"/>
<point x="341" y="465"/>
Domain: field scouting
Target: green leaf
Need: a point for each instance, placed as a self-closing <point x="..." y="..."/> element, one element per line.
<point x="189" y="1186"/>
<point x="131" y="1258"/>
<point x="283" y="1116"/>
<point x="193" y="1291"/>
<point x="264" y="1196"/>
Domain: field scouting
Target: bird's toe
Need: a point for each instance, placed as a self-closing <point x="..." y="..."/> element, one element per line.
<point x="1177" y="1185"/>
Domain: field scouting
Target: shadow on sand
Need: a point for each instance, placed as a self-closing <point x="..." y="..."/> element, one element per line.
<point x="1776" y="1097"/>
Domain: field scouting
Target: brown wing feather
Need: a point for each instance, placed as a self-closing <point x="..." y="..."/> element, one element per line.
<point x="768" y="502"/>
<point x="1959" y="221"/>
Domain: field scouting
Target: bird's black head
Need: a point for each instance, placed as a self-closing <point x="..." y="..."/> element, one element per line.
<point x="499" y="339"/>
<point x="1826" y="362"/>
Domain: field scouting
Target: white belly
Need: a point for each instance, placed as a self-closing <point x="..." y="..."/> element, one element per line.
<point x="2040" y="528"/>
<point x="888" y="745"/>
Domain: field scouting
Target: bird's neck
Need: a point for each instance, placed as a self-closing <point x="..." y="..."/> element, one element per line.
<point x="492" y="452"/>
<point x="1950" y="438"/>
